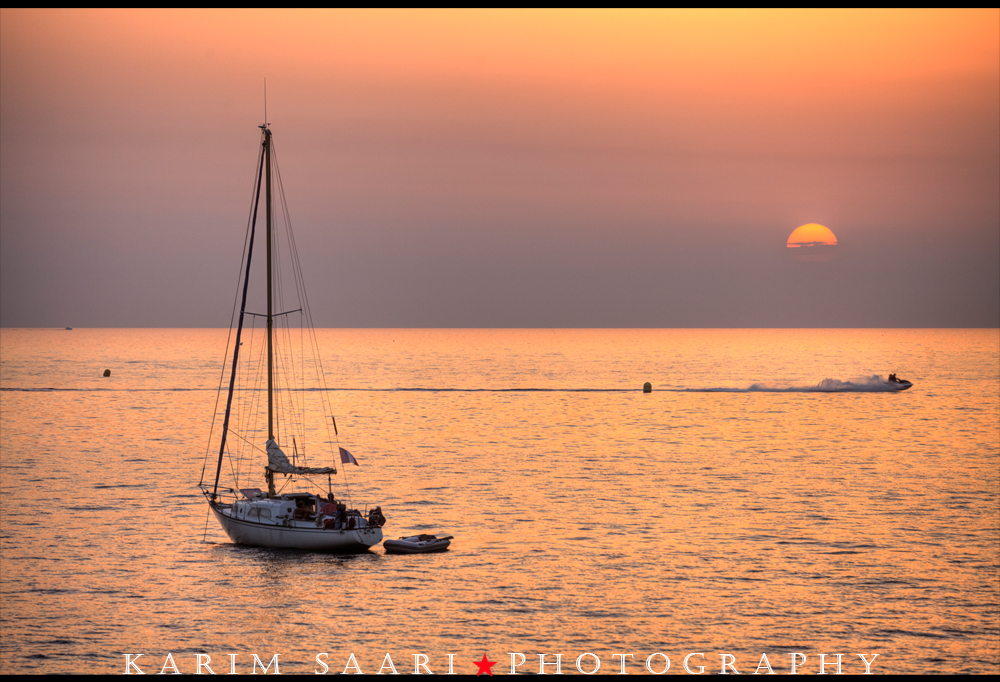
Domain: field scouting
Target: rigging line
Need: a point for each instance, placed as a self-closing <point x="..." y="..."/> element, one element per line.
<point x="307" y="478"/>
<point x="281" y="369"/>
<point x="257" y="377"/>
<point x="232" y="316"/>
<point x="298" y="280"/>
<point x="293" y="418"/>
<point x="234" y="458"/>
<point x="284" y="395"/>
<point x="304" y="299"/>
<point x="204" y="535"/>
<point x="247" y="406"/>
<point x="241" y="405"/>
<point x="289" y="232"/>
<point x="236" y="479"/>
<point x="299" y="276"/>
<point x="250" y="406"/>
<point x="297" y="398"/>
<point x="275" y="240"/>
<point x="239" y="330"/>
<point x="255" y="447"/>
<point x="286" y="220"/>
<point x="280" y="377"/>
<point x="301" y="394"/>
<point x="246" y="238"/>
<point x="300" y="286"/>
<point x="285" y="483"/>
<point x="299" y="359"/>
<point x="325" y="401"/>
<point x="317" y="356"/>
<point x="287" y="312"/>
<point x="321" y="380"/>
<point x="290" y="236"/>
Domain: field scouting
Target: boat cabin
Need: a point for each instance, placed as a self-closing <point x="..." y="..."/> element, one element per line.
<point x="296" y="509"/>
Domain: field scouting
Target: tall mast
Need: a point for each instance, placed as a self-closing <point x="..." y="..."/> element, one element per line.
<point x="270" y="317"/>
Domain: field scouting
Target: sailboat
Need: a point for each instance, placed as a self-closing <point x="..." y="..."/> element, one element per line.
<point x="283" y="515"/>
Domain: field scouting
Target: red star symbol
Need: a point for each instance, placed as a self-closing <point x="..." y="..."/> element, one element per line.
<point x="484" y="666"/>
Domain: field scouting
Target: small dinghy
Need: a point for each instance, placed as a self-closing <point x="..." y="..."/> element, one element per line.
<point x="417" y="544"/>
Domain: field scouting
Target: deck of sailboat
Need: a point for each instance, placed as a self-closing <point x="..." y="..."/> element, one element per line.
<point x="280" y="529"/>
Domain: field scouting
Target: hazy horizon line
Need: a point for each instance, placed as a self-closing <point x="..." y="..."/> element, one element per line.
<point x="515" y="328"/>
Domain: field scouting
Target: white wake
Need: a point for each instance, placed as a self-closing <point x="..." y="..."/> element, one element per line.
<point x="871" y="384"/>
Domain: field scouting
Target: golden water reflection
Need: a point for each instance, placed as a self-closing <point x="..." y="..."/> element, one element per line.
<point x="602" y="520"/>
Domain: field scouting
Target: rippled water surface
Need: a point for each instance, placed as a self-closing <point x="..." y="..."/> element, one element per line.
<point x="767" y="518"/>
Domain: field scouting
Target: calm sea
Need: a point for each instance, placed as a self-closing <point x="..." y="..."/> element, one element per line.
<point x="588" y="517"/>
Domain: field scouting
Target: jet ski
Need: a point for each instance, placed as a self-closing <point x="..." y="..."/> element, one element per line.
<point x="897" y="383"/>
<point x="417" y="544"/>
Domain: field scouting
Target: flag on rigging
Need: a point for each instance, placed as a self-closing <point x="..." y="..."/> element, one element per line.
<point x="348" y="458"/>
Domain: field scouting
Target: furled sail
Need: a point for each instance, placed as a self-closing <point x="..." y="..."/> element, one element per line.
<point x="278" y="461"/>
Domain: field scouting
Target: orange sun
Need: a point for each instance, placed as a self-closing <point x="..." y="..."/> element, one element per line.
<point x="811" y="234"/>
<point x="812" y="242"/>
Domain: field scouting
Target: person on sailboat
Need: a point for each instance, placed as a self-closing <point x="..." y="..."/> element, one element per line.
<point x="328" y="512"/>
<point x="302" y="511"/>
<point x="376" y="518"/>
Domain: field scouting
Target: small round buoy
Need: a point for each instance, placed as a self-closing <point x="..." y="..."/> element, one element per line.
<point x="107" y="372"/>
<point x="647" y="387"/>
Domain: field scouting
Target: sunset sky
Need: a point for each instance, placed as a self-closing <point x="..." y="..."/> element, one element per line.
<point x="506" y="168"/>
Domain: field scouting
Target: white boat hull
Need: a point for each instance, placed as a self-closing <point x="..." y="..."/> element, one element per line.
<point x="246" y="532"/>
